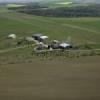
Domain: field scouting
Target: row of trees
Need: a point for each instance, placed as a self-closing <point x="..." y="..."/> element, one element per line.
<point x="82" y="11"/>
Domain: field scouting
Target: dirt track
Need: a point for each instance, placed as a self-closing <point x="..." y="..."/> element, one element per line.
<point x="72" y="79"/>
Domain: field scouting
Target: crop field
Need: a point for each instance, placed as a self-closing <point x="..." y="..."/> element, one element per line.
<point x="72" y="79"/>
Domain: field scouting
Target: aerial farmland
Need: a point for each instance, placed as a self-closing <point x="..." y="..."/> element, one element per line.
<point x="71" y="71"/>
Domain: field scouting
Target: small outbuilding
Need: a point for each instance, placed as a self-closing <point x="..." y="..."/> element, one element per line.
<point x="12" y="36"/>
<point x="39" y="37"/>
<point x="65" y="45"/>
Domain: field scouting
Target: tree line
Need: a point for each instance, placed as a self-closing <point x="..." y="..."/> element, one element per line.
<point x="79" y="11"/>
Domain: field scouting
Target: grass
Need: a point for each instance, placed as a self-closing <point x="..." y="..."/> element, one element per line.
<point x="3" y="10"/>
<point x="14" y="5"/>
<point x="64" y="3"/>
<point x="80" y="29"/>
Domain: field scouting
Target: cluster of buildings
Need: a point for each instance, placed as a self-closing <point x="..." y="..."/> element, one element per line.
<point x="54" y="44"/>
<point x="42" y="44"/>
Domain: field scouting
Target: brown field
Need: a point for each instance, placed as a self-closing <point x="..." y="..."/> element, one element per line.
<point x="71" y="79"/>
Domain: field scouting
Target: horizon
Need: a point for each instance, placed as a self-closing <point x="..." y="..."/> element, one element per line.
<point x="19" y="0"/>
<point x="47" y="0"/>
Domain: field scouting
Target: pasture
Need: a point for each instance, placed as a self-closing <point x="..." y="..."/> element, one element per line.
<point x="14" y="5"/>
<point x="80" y="30"/>
<point x="64" y="3"/>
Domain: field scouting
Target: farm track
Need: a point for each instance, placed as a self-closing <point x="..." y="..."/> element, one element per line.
<point x="81" y="28"/>
<point x="15" y="48"/>
<point x="11" y="49"/>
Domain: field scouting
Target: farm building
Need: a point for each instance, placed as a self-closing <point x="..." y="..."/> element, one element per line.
<point x="39" y="37"/>
<point x="65" y="45"/>
<point x="43" y="37"/>
<point x="60" y="45"/>
<point x="12" y="36"/>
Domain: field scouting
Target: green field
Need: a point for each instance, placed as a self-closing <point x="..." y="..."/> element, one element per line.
<point x="57" y="5"/>
<point x="81" y="30"/>
<point x="64" y="3"/>
<point x="14" y="5"/>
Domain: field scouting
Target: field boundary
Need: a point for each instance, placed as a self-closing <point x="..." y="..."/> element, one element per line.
<point x="60" y="52"/>
<point x="15" y="48"/>
<point x="67" y="53"/>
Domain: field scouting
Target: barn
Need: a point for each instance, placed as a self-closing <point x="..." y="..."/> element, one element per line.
<point x="39" y="37"/>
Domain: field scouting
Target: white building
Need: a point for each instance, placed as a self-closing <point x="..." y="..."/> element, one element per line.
<point x="12" y="36"/>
